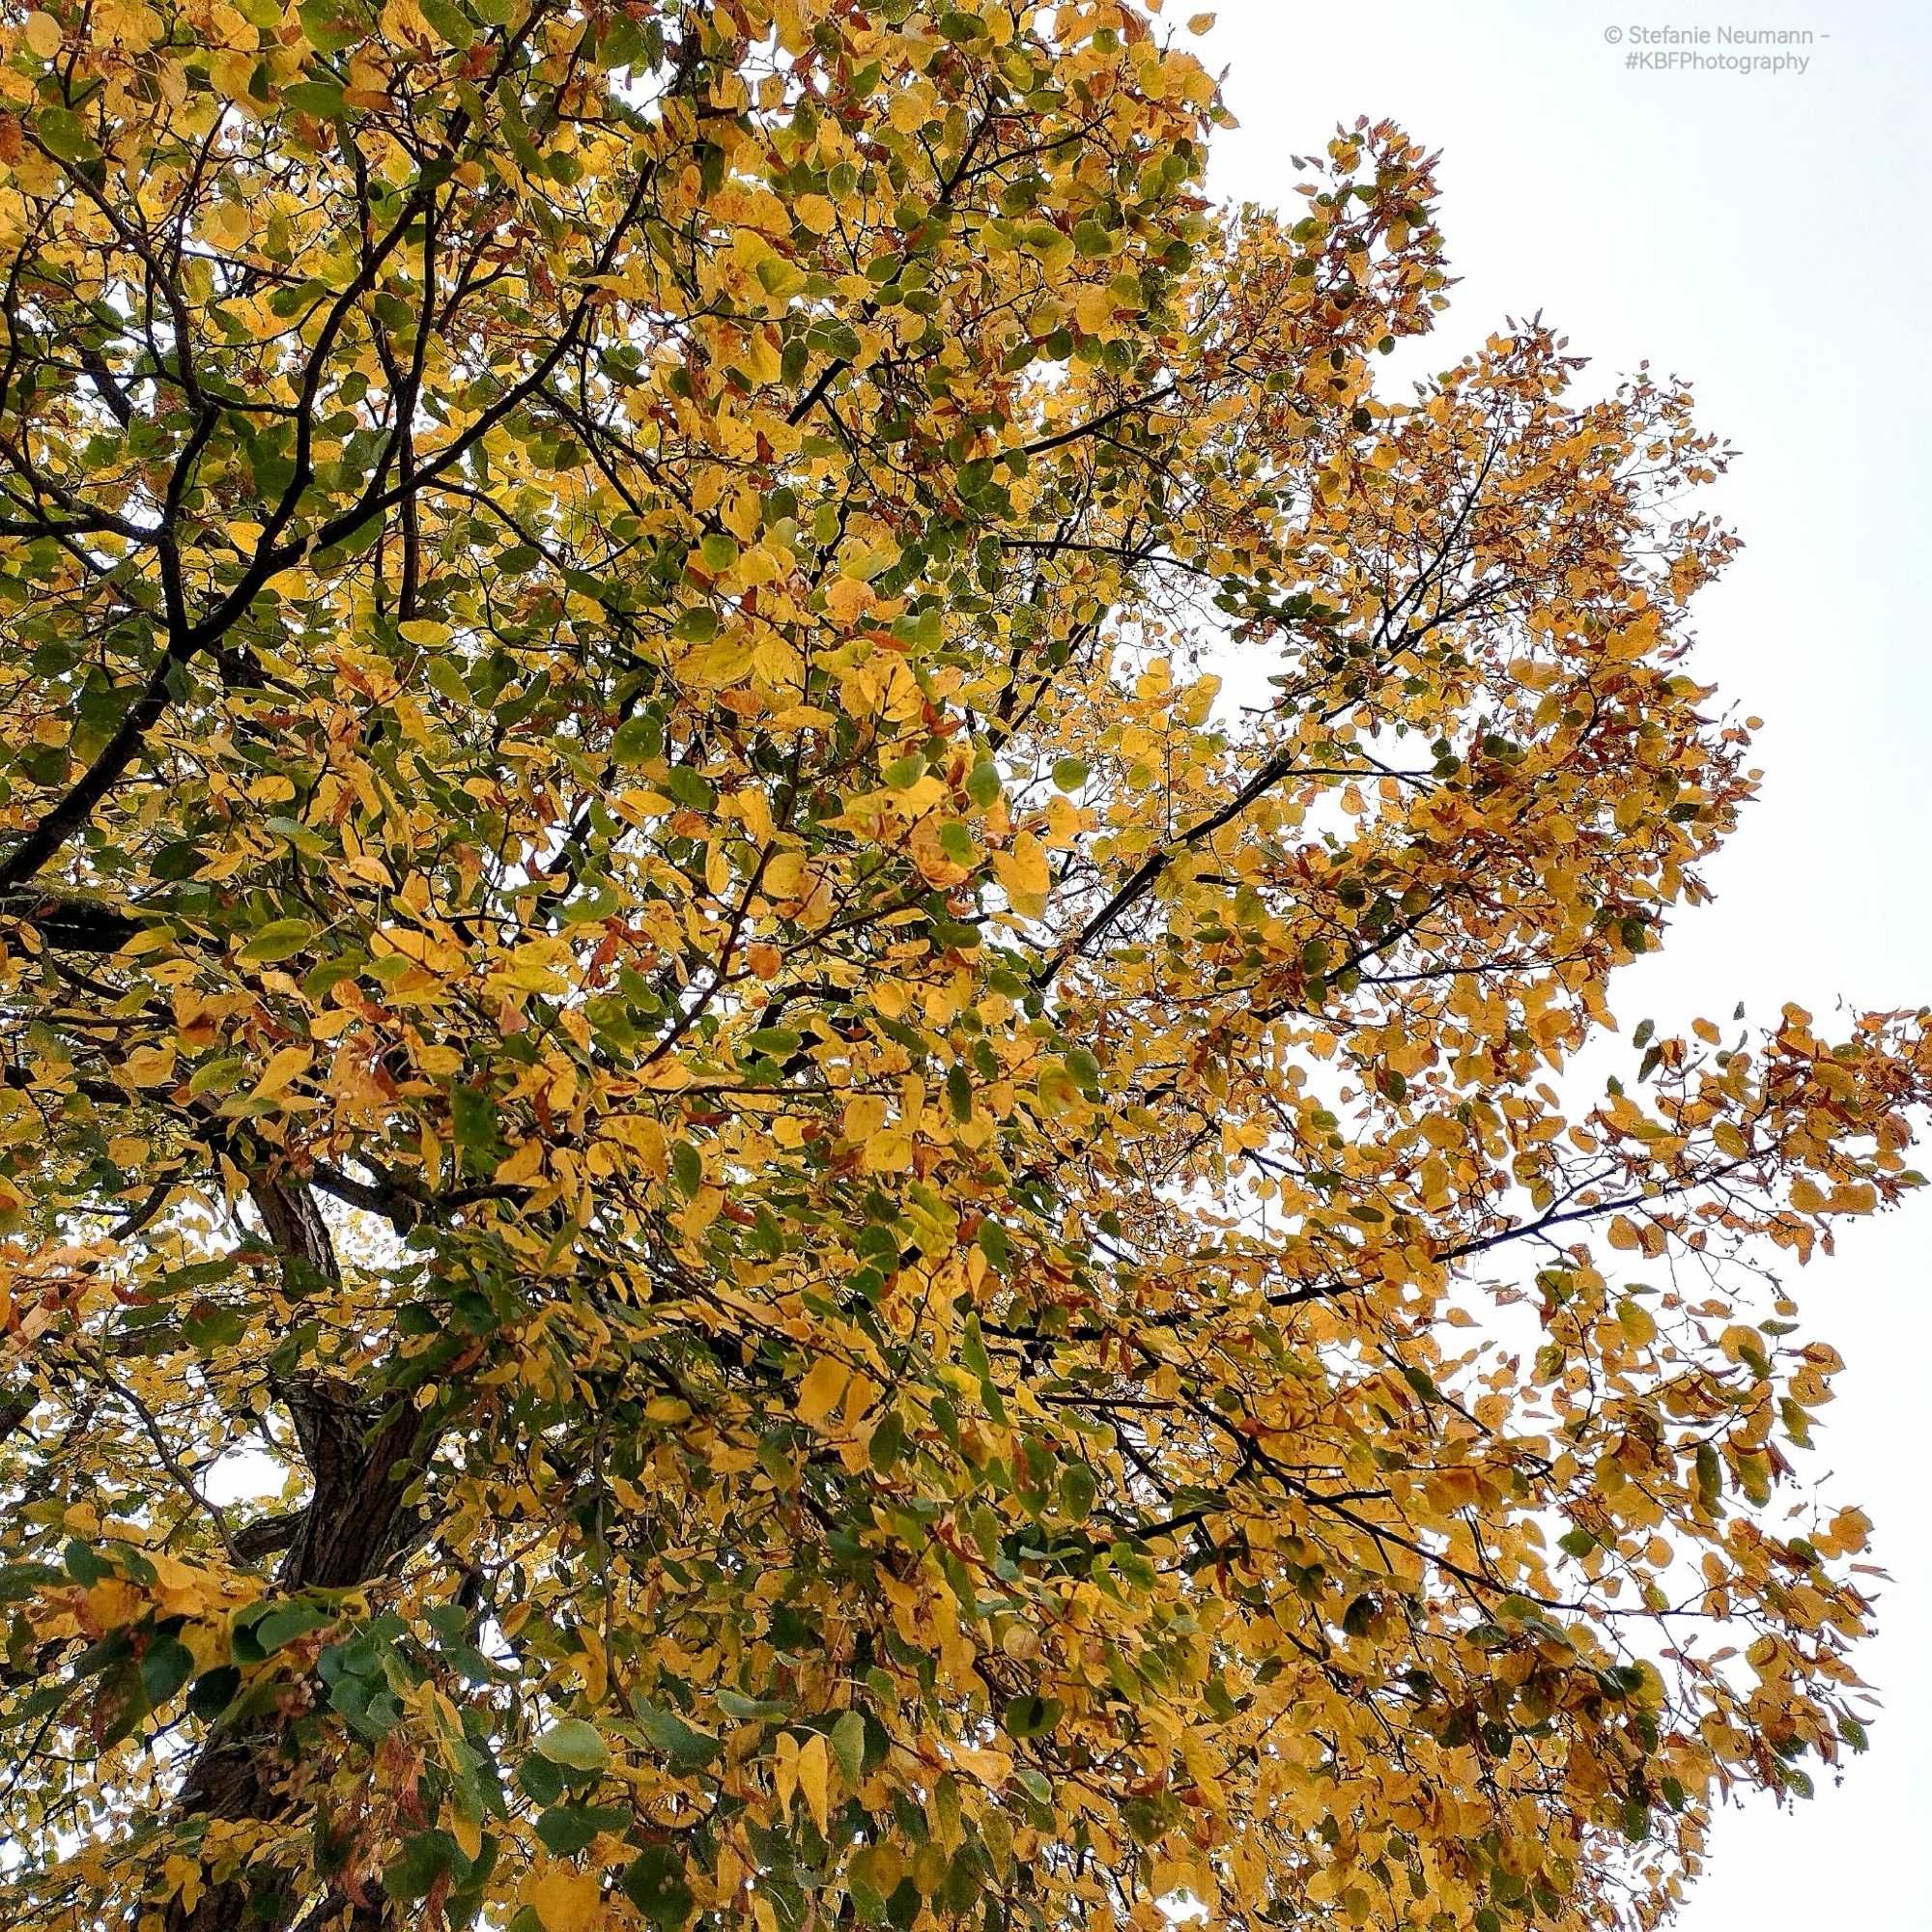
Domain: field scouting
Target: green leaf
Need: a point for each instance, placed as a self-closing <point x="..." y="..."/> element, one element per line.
<point x="847" y="1738"/>
<point x="448" y="681"/>
<point x="571" y="1741"/>
<point x="284" y="1625"/>
<point x="306" y="840"/>
<point x="223" y="1073"/>
<point x="690" y="788"/>
<point x="960" y="1091"/>
<point x="332" y="26"/>
<point x="167" y="1664"/>
<point x="638" y="740"/>
<point x="119" y="1706"/>
<point x="983" y="782"/>
<point x="213" y="1690"/>
<point x="747" y="1709"/>
<point x="448" y="22"/>
<point x="209" y="1326"/>
<point x="321" y="99"/>
<point x="85" y="1564"/>
<point x="472" y="1116"/>
<point x="20" y="1580"/>
<point x="1077" y="1489"/>
<point x="64" y="136"/>
<point x="423" y="1860"/>
<point x="654" y="1882"/>
<point x="1029" y="1716"/>
<point x="973" y="1349"/>
<point x="543" y="1780"/>
<point x="1710" y="1476"/>
<point x="686" y="1747"/>
<point x="280" y="939"/>
<point x="888" y="1441"/>
<point x="566" y="1828"/>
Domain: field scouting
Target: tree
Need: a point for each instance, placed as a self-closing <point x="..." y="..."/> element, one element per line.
<point x="790" y="919"/>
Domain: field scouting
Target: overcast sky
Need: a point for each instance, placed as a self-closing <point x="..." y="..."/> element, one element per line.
<point x="1763" y="234"/>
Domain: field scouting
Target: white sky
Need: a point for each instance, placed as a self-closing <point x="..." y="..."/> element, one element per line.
<point x="1762" y="234"/>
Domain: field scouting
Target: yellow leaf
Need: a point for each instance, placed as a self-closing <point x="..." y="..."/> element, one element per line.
<point x="113" y="1603"/>
<point x="564" y="1900"/>
<point x="819" y="1392"/>
<point x="889" y="1151"/>
<point x="816" y="213"/>
<point x="1636" y="1322"/>
<point x="848" y="599"/>
<point x="700" y="1212"/>
<point x="468" y="1834"/>
<point x="184" y="1879"/>
<point x="744" y="515"/>
<point x="42" y="35"/>
<point x="1806" y="1196"/>
<point x="668" y="1076"/>
<point x="1023" y="874"/>
<point x="151" y="1065"/>
<point x="1850" y="1529"/>
<point x="1093" y="309"/>
<point x="812" y="1778"/>
<point x="282" y="1068"/>
<point x="762" y="363"/>
<point x="524" y="1164"/>
<point x="785" y="1770"/>
<point x="593" y="1665"/>
<point x="180" y="1590"/>
<point x="785" y="875"/>
<point x="990" y="1767"/>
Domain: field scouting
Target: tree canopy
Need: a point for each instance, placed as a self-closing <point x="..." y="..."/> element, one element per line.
<point x="790" y="915"/>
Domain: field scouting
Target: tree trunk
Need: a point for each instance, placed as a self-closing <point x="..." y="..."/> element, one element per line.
<point x="353" y="1526"/>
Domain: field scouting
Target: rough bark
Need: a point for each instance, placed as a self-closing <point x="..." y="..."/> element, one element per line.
<point x="354" y="1525"/>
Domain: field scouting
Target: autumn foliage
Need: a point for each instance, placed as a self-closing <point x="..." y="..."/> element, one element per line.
<point x="790" y="912"/>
